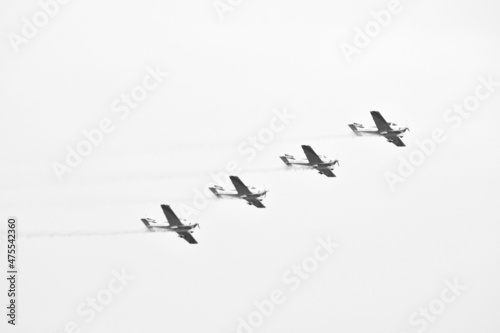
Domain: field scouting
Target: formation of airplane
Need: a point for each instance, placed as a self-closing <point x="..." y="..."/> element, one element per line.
<point x="173" y="224"/>
<point x="323" y="164"/>
<point x="392" y="132"/>
<point x="253" y="196"/>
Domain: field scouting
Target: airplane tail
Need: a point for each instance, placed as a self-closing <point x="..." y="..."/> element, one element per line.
<point x="354" y="129"/>
<point x="146" y="223"/>
<point x="285" y="159"/>
<point x="214" y="191"/>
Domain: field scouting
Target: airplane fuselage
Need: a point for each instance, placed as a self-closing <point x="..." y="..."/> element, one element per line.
<point x="173" y="229"/>
<point x="325" y="161"/>
<point x="305" y="162"/>
<point x="395" y="131"/>
<point x="173" y="224"/>
<point x="252" y="195"/>
<point x="163" y="226"/>
<point x="219" y="191"/>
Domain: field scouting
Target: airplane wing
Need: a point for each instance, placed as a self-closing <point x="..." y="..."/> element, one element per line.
<point x="382" y="125"/>
<point x="257" y="203"/>
<point x="397" y="141"/>
<point x="311" y="155"/>
<point x="188" y="237"/>
<point x="240" y="187"/>
<point x="327" y="172"/>
<point x="172" y="219"/>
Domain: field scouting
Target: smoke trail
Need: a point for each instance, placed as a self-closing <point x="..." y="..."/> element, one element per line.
<point x="318" y="137"/>
<point x="80" y="233"/>
<point x="216" y="145"/>
<point x="195" y="174"/>
<point x="276" y="169"/>
<point x="191" y="174"/>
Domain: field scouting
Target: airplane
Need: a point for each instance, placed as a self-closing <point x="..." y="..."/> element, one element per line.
<point x="392" y="132"/>
<point x="321" y="163"/>
<point x="252" y="195"/>
<point x="173" y="224"/>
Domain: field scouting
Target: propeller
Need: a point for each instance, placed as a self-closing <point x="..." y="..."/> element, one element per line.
<point x="407" y="128"/>
<point x="265" y="191"/>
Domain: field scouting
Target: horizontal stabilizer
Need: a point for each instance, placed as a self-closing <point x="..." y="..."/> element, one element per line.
<point x="146" y="223"/>
<point x="214" y="191"/>
<point x="355" y="129"/>
<point x="284" y="159"/>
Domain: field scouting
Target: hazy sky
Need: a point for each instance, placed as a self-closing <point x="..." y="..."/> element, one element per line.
<point x="226" y="80"/>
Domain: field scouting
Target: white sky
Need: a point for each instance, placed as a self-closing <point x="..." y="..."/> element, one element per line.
<point x="225" y="80"/>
